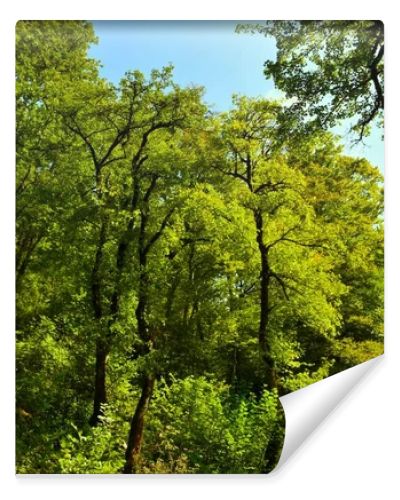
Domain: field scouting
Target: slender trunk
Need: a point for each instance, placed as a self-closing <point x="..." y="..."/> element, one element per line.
<point x="100" y="394"/>
<point x="140" y="311"/>
<point x="115" y="297"/>
<point x="96" y="274"/>
<point x="274" y="447"/>
<point x="122" y="251"/>
<point x="264" y="305"/>
<point x="102" y="346"/>
<point x="135" y="439"/>
<point x="264" y="323"/>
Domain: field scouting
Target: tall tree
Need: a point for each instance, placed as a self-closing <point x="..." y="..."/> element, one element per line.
<point x="47" y="55"/>
<point x="162" y="183"/>
<point x="286" y="228"/>
<point x="117" y="131"/>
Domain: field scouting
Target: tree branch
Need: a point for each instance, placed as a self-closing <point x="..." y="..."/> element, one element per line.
<point x="157" y="235"/>
<point x="281" y="282"/>
<point x="282" y="237"/>
<point x="375" y="75"/>
<point x="150" y="189"/>
<point x="302" y="244"/>
<point x="85" y="139"/>
<point x="271" y="187"/>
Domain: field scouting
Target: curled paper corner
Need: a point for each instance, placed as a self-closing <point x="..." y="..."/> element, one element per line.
<point x="307" y="408"/>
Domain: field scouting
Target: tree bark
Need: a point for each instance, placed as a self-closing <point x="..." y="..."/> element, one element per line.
<point x="122" y="251"/>
<point x="140" y="311"/>
<point x="100" y="395"/>
<point x="265" y="277"/>
<point x="135" y="439"/>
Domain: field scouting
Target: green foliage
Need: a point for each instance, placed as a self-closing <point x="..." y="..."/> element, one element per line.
<point x="99" y="451"/>
<point x="331" y="70"/>
<point x="199" y="423"/>
<point x="351" y="353"/>
<point x="305" y="377"/>
<point x="146" y="229"/>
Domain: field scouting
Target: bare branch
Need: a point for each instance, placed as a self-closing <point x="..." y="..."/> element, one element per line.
<point x="117" y="140"/>
<point x="283" y="236"/>
<point x="271" y="186"/>
<point x="21" y="185"/>
<point x="157" y="235"/>
<point x="185" y="241"/>
<point x="85" y="139"/>
<point x="375" y="75"/>
<point x="100" y="131"/>
<point x="150" y="189"/>
<point x="136" y="159"/>
<point x="302" y="244"/>
<point x="281" y="283"/>
<point x="248" y="290"/>
<point x="238" y="176"/>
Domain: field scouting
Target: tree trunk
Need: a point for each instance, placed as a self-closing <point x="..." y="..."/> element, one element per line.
<point x="100" y="395"/>
<point x="140" y="311"/>
<point x="135" y="438"/>
<point x="264" y="305"/>
<point x="122" y="251"/>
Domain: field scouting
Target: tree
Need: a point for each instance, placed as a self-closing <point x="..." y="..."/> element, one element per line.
<point x="117" y="133"/>
<point x="347" y="196"/>
<point x="285" y="226"/>
<point x="47" y="55"/>
<point x="177" y="269"/>
<point x="331" y="70"/>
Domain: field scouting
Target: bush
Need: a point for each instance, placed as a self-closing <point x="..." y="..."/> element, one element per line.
<point x="99" y="451"/>
<point x="196" y="425"/>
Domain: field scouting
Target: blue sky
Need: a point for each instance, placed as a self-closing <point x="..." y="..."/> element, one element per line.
<point x="208" y="54"/>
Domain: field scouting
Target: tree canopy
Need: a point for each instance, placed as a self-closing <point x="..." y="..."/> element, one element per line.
<point x="332" y="70"/>
<point x="177" y="270"/>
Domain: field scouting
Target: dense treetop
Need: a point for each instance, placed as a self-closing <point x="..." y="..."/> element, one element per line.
<point x="332" y="70"/>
